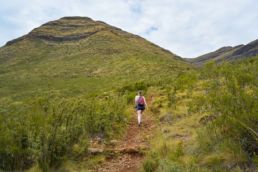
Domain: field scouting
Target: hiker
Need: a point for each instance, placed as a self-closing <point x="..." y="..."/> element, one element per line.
<point x="140" y="104"/>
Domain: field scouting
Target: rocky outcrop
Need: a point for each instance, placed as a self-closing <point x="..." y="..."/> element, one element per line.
<point x="64" y="30"/>
<point x="52" y="38"/>
<point x="248" y="50"/>
<point x="167" y="118"/>
<point x="15" y="40"/>
<point x="95" y="151"/>
<point x="72" y="29"/>
<point x="207" y="118"/>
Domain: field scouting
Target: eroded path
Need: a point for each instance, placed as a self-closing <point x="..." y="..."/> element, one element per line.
<point x="130" y="150"/>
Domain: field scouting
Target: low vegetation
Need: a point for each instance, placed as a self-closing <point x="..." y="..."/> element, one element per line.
<point x="208" y="121"/>
<point x="49" y="129"/>
<point x="58" y="94"/>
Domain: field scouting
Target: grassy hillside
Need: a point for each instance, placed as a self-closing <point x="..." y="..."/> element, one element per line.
<point x="208" y="120"/>
<point x="69" y="81"/>
<point x="55" y="57"/>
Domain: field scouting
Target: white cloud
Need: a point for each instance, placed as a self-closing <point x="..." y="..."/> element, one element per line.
<point x="186" y="27"/>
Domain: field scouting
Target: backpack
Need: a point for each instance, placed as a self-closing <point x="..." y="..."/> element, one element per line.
<point x="141" y="100"/>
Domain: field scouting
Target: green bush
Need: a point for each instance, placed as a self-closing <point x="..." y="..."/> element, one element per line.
<point x="138" y="86"/>
<point x="184" y="81"/>
<point x="52" y="126"/>
<point x="169" y="166"/>
<point x="151" y="163"/>
<point x="231" y="95"/>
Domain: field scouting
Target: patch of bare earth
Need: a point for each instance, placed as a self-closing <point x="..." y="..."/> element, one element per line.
<point x="129" y="152"/>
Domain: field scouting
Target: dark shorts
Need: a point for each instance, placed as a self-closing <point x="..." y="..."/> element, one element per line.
<point x="140" y="107"/>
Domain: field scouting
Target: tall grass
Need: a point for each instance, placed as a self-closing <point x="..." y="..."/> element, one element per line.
<point x="231" y="96"/>
<point x="47" y="130"/>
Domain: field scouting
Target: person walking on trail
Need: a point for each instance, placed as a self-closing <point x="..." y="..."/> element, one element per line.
<point x="140" y="104"/>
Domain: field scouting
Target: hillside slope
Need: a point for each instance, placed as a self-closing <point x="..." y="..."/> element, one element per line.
<point x="208" y="120"/>
<point x="228" y="53"/>
<point x="67" y="95"/>
<point x="76" y="52"/>
<point x="69" y="82"/>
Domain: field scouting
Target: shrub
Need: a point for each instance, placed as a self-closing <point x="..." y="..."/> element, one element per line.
<point x="231" y="94"/>
<point x="169" y="166"/>
<point x="48" y="129"/>
<point x="151" y="163"/>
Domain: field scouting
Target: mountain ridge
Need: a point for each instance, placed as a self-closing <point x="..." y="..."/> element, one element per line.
<point x="38" y="34"/>
<point x="67" y="92"/>
<point x="69" y="81"/>
<point x="227" y="53"/>
<point x="79" y="47"/>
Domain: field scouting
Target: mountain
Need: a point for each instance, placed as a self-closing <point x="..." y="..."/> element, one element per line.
<point x="67" y="93"/>
<point x="70" y="81"/>
<point x="228" y="53"/>
<point x="75" y="53"/>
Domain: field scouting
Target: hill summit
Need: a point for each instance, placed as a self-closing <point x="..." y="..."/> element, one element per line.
<point x="69" y="81"/>
<point x="67" y="93"/>
<point x="68" y="29"/>
<point x="77" y="52"/>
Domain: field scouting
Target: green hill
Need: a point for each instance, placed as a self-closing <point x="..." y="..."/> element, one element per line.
<point x="208" y="120"/>
<point x="68" y="81"/>
<point x="79" y="54"/>
<point x="67" y="93"/>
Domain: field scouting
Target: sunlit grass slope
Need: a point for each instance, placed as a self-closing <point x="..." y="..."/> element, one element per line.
<point x="68" y="82"/>
<point x="208" y="120"/>
<point x="76" y="55"/>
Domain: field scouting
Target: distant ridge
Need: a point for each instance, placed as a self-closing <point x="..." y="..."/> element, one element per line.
<point x="228" y="53"/>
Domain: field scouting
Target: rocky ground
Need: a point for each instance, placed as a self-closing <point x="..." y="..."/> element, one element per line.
<point x="129" y="152"/>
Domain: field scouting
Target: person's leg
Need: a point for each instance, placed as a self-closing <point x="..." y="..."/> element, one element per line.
<point x="139" y="116"/>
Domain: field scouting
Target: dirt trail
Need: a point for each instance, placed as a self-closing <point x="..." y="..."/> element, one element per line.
<point x="130" y="149"/>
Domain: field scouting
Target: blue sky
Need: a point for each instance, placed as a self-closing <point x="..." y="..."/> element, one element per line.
<point x="188" y="28"/>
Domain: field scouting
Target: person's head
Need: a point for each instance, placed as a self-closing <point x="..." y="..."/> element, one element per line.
<point x="139" y="93"/>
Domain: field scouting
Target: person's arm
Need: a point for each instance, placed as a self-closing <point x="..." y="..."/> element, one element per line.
<point x="145" y="102"/>
<point x="135" y="100"/>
